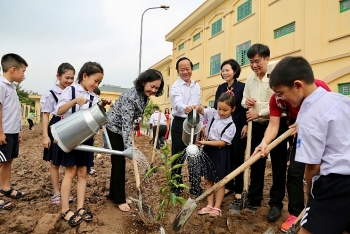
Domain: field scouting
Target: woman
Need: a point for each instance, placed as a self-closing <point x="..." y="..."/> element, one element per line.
<point x="127" y="108"/>
<point x="230" y="71"/>
<point x="168" y="121"/>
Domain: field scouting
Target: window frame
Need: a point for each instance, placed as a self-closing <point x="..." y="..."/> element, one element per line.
<point x="340" y="87"/>
<point x="195" y="66"/>
<point x="284" y="28"/>
<point x="244" y="10"/>
<point x="342" y="3"/>
<point x="215" y="64"/>
<point x="211" y="103"/>
<point x="181" y="46"/>
<point x="241" y="53"/>
<point x="196" y="37"/>
<point x="215" y="29"/>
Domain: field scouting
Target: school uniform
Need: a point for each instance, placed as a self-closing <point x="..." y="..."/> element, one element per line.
<point x="323" y="138"/>
<point x="48" y="104"/>
<point x="162" y="127"/>
<point x="219" y="164"/>
<point x="11" y="119"/>
<point x="74" y="158"/>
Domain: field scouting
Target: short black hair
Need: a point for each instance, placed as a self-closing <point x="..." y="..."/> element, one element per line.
<point x="227" y="98"/>
<point x="97" y="91"/>
<point x="156" y="107"/>
<point x="89" y="68"/>
<point x="149" y="75"/>
<point x="65" y="67"/>
<point x="289" y="70"/>
<point x="234" y="65"/>
<point x="12" y="60"/>
<point x="181" y="59"/>
<point x="260" y="49"/>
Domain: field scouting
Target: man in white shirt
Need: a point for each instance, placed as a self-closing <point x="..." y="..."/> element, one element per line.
<point x="184" y="94"/>
<point x="163" y="127"/>
<point x="256" y="97"/>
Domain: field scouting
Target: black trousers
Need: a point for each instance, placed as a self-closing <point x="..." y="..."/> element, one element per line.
<point x="279" y="167"/>
<point x="161" y="134"/>
<point x="31" y="123"/>
<point x="117" y="180"/>
<point x="177" y="146"/>
<point x="295" y="184"/>
<point x="237" y="157"/>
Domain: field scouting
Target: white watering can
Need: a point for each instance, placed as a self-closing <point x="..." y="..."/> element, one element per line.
<point x="191" y="127"/>
<point x="70" y="132"/>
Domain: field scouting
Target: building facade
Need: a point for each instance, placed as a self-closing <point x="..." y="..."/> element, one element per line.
<point x="318" y="30"/>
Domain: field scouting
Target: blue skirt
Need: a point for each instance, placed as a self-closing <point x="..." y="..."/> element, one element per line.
<point x="47" y="155"/>
<point x="219" y="163"/>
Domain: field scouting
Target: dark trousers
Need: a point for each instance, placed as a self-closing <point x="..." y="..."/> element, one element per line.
<point x="117" y="180"/>
<point x="177" y="146"/>
<point x="295" y="184"/>
<point x="237" y="157"/>
<point x="161" y="134"/>
<point x="279" y="166"/>
<point x="31" y="123"/>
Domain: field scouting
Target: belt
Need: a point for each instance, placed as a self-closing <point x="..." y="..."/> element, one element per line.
<point x="179" y="118"/>
<point x="262" y="123"/>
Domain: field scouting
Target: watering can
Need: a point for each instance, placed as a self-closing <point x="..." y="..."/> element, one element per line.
<point x="192" y="126"/>
<point x="70" y="132"/>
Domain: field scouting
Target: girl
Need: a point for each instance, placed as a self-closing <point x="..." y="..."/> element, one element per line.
<point x="72" y="99"/>
<point x="220" y="132"/>
<point x="230" y="71"/>
<point x="168" y="121"/>
<point x="127" y="108"/>
<point x="65" y="75"/>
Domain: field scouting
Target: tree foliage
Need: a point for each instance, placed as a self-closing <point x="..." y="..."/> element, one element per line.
<point x="23" y="95"/>
<point x="148" y="112"/>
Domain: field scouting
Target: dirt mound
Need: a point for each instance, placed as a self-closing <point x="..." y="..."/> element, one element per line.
<point x="34" y="213"/>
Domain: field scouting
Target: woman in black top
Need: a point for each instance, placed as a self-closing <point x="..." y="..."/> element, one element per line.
<point x="230" y="71"/>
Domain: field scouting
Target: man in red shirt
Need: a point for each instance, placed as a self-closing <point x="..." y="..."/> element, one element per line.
<point x="295" y="175"/>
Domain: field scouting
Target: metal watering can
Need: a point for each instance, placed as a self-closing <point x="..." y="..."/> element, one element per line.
<point x="191" y="127"/>
<point x="80" y="126"/>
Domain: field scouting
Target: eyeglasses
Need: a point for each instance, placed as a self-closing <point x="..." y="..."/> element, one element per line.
<point x="153" y="87"/>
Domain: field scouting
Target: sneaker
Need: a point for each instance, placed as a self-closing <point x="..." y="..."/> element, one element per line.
<point x="286" y="225"/>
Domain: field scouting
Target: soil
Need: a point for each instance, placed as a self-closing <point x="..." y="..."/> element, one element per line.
<point x="34" y="213"/>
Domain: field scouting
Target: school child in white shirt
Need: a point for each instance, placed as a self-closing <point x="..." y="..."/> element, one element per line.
<point x="65" y="76"/>
<point x="72" y="99"/>
<point x="323" y="144"/>
<point x="220" y="132"/>
<point x="13" y="67"/>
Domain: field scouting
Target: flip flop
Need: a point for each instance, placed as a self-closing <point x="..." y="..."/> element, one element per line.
<point x="4" y="207"/>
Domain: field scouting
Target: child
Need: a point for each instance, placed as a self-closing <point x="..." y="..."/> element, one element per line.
<point x="323" y="144"/>
<point x="72" y="99"/>
<point x="13" y="67"/>
<point x="65" y="75"/>
<point x="30" y="119"/>
<point x="220" y="132"/>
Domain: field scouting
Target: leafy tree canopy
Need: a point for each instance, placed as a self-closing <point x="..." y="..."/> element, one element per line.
<point x="23" y="95"/>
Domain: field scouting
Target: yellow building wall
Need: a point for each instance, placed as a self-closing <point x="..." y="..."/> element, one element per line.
<point x="322" y="36"/>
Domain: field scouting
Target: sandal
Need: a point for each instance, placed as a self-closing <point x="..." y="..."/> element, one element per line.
<point x="92" y="172"/>
<point x="205" y="210"/>
<point x="56" y="199"/>
<point x="70" y="199"/>
<point x="215" y="212"/>
<point x="72" y="220"/>
<point x="124" y="207"/>
<point x="86" y="215"/>
<point x="8" y="193"/>
<point x="4" y="206"/>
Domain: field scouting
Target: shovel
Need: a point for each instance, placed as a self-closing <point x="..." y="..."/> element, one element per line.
<point x="191" y="204"/>
<point x="155" y="140"/>
<point x="293" y="229"/>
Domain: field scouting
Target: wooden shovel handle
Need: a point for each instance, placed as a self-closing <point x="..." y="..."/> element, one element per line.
<point x="247" y="155"/>
<point x="245" y="165"/>
<point x="156" y="138"/>
<point x="136" y="168"/>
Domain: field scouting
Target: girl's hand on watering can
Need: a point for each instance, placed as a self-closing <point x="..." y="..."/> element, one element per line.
<point x="199" y="143"/>
<point x="80" y="101"/>
<point x="105" y="102"/>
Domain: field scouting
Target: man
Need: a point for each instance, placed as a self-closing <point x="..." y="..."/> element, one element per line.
<point x="256" y="96"/>
<point x="163" y="127"/>
<point x="184" y="93"/>
<point x="295" y="175"/>
<point x="323" y="144"/>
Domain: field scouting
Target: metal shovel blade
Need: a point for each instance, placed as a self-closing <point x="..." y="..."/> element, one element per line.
<point x="144" y="210"/>
<point x="269" y="231"/>
<point x="184" y="214"/>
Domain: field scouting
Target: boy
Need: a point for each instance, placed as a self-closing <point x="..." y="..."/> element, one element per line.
<point x="163" y="127"/>
<point x="13" y="67"/>
<point x="323" y="144"/>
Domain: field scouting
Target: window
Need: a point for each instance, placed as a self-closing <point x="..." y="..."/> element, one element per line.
<point x="244" y="10"/>
<point x="344" y="5"/>
<point x="195" y="66"/>
<point x="216" y="27"/>
<point x="284" y="30"/>
<point x="181" y="46"/>
<point x="211" y="103"/>
<point x="344" y="88"/>
<point x="215" y="64"/>
<point x="241" y="53"/>
<point x="196" y="37"/>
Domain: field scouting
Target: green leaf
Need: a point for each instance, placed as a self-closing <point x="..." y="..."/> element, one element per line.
<point x="177" y="166"/>
<point x="161" y="155"/>
<point x="162" y="190"/>
<point x="150" y="171"/>
<point x="174" y="157"/>
<point x="161" y="203"/>
<point x="183" y="186"/>
<point x="173" y="199"/>
<point x="166" y="150"/>
<point x="174" y="176"/>
<point x="181" y="200"/>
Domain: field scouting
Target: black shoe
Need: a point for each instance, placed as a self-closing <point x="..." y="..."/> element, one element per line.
<point x="236" y="206"/>
<point x="274" y="214"/>
<point x="252" y="206"/>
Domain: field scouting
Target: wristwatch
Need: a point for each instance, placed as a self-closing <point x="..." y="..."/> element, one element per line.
<point x="260" y="115"/>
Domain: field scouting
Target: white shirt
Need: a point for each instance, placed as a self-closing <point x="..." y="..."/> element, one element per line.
<point x="48" y="102"/>
<point x="66" y="96"/>
<point x="154" y="119"/>
<point x="218" y="126"/>
<point x="11" y="107"/>
<point x="183" y="95"/>
<point x="324" y="132"/>
<point x="261" y="91"/>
